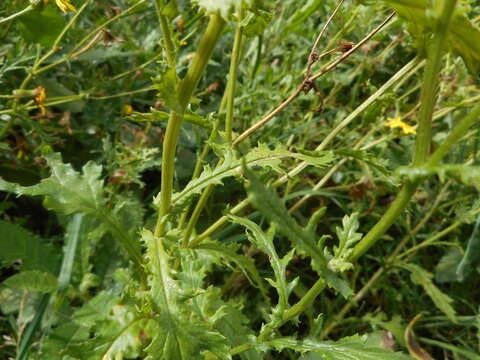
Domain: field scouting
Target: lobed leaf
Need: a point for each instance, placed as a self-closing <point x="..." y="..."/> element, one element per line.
<point x="33" y="280"/>
<point x="18" y="244"/>
<point x="349" y="348"/>
<point x="264" y="241"/>
<point x="267" y="202"/>
<point x="231" y="165"/>
<point x="424" y="278"/>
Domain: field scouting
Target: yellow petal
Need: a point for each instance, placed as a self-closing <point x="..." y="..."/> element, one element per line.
<point x="65" y="5"/>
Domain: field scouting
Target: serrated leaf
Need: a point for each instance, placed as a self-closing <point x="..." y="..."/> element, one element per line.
<point x="231" y="165"/>
<point x="178" y="335"/>
<point x="229" y="253"/>
<point x="347" y="238"/>
<point x="264" y="241"/>
<point x="166" y="86"/>
<point x="463" y="38"/>
<point x="103" y="328"/>
<point x="16" y="243"/>
<point x="366" y="157"/>
<point x="33" y="280"/>
<point x="424" y="278"/>
<point x="267" y="202"/>
<point x="68" y="192"/>
<point x="349" y="348"/>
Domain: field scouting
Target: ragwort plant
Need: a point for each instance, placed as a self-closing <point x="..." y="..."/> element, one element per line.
<point x="176" y="296"/>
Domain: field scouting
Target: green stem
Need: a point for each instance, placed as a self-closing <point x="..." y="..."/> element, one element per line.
<point x="392" y="214"/>
<point x="305" y="301"/>
<point x="20" y="13"/>
<point x="230" y="97"/>
<point x="232" y="77"/>
<point x="431" y="81"/>
<point x="405" y="71"/>
<point x="167" y="36"/>
<point x="428" y="99"/>
<point x="32" y="327"/>
<point x="184" y="94"/>
<point x="455" y="136"/>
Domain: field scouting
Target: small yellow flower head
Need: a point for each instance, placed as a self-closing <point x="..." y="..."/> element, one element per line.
<point x="40" y="95"/>
<point x="398" y="123"/>
<point x="127" y="109"/>
<point x="64" y="5"/>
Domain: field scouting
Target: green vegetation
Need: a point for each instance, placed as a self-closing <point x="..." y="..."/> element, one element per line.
<point x="239" y="179"/>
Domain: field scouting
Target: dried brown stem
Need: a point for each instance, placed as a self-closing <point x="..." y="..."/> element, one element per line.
<point x="306" y="85"/>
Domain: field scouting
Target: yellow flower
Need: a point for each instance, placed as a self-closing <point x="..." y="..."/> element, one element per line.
<point x="127" y="109"/>
<point x="398" y="123"/>
<point x="40" y="95"/>
<point x="64" y="5"/>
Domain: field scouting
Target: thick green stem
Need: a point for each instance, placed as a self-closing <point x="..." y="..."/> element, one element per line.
<point x="392" y="214"/>
<point x="230" y="97"/>
<point x="428" y="99"/>
<point x="185" y="90"/>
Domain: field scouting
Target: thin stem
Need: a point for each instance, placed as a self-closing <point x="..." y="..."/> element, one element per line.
<point x="20" y="13"/>
<point x="430" y="83"/>
<point x="295" y="171"/>
<point x="308" y="80"/>
<point x="455" y="136"/>
<point x="311" y="56"/>
<point x="184" y="94"/>
<point x="377" y="275"/>
<point x="232" y="76"/>
<point x="167" y="36"/>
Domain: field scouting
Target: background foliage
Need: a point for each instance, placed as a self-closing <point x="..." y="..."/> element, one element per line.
<point x="83" y="273"/>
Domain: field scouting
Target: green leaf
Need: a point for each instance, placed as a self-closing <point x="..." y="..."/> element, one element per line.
<point x="347" y="238"/>
<point x="42" y="26"/>
<point x="162" y="116"/>
<point x="446" y="269"/>
<point x="229" y="252"/>
<point x="472" y="253"/>
<point x="264" y="241"/>
<point x="267" y="202"/>
<point x="375" y="162"/>
<point x="256" y="22"/>
<point x="33" y="280"/>
<point x="261" y="156"/>
<point x="166" y="85"/>
<point x="463" y="38"/>
<point x="178" y="335"/>
<point x="68" y="192"/>
<point x="16" y="243"/>
<point x="424" y="278"/>
<point x="349" y="348"/>
<point x="103" y="328"/>
<point x="394" y="325"/>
